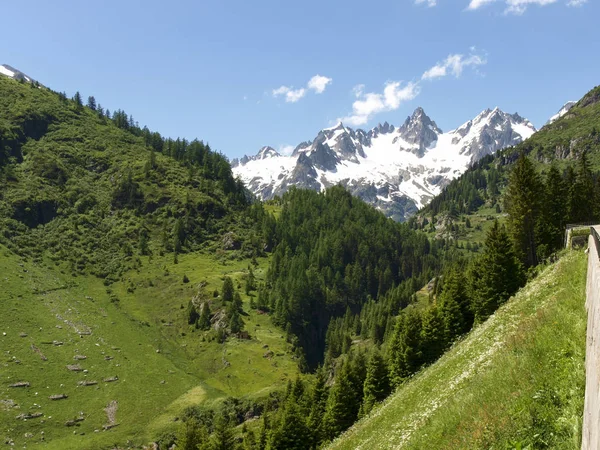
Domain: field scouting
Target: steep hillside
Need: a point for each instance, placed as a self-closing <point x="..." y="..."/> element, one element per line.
<point x="112" y="241"/>
<point x="516" y="381"/>
<point x="93" y="190"/>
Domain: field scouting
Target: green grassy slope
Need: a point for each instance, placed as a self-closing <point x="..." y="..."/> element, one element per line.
<point x="516" y="380"/>
<point x="162" y="364"/>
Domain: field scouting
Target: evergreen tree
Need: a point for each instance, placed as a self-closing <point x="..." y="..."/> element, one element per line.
<point x="292" y="432"/>
<point x="377" y="383"/>
<point x="91" y="103"/>
<point x="222" y="437"/>
<point x="236" y="323"/>
<point x="77" y="100"/>
<point x="205" y="316"/>
<point x="227" y="290"/>
<point x="178" y="236"/>
<point x="192" y="314"/>
<point x="551" y="226"/>
<point x="318" y="402"/>
<point x="433" y="334"/>
<point x="143" y="242"/>
<point x="523" y="204"/>
<point x="455" y="304"/>
<point x="191" y="436"/>
<point x="249" y="442"/>
<point x="405" y="354"/>
<point x="250" y="281"/>
<point x="342" y="405"/>
<point x="496" y="275"/>
<point x="583" y="191"/>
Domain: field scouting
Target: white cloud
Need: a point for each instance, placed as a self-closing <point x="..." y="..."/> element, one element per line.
<point x="518" y="7"/>
<point x="318" y="83"/>
<point x="454" y="65"/>
<point x="429" y="3"/>
<point x="395" y="93"/>
<point x="576" y="2"/>
<point x="367" y="105"/>
<point x="291" y="95"/>
<point x="358" y="90"/>
<point x="285" y="150"/>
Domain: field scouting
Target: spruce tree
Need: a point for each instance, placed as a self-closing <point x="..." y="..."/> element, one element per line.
<point x="205" y="316"/>
<point x="227" y="290"/>
<point x="178" y="236"/>
<point x="222" y="437"/>
<point x="192" y="314"/>
<point x="405" y="353"/>
<point x="583" y="191"/>
<point x="91" y="103"/>
<point x="523" y="205"/>
<point x="77" y="100"/>
<point x="236" y="323"/>
<point x="250" y="281"/>
<point x="377" y="383"/>
<point x="318" y="402"/>
<point x="342" y="405"/>
<point x="292" y="432"/>
<point x="433" y="334"/>
<point x="496" y="275"/>
<point x="191" y="436"/>
<point x="551" y="226"/>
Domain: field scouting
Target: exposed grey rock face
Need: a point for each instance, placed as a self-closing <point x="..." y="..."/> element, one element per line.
<point x="397" y="170"/>
<point x="420" y="130"/>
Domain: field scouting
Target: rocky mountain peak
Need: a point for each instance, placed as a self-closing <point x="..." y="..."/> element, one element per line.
<point x="395" y="169"/>
<point x="267" y="152"/>
<point x="419" y="130"/>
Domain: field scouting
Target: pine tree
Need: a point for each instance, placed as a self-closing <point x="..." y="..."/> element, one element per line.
<point x="377" y="383"/>
<point x="250" y="281"/>
<point x="433" y="334"/>
<point x="318" y="402"/>
<point x="236" y="323"/>
<point x="249" y="442"/>
<point x="191" y="436"/>
<point x="554" y="213"/>
<point x="523" y="205"/>
<point x="292" y="432"/>
<point x="222" y="437"/>
<point x="496" y="275"/>
<point x="405" y="354"/>
<point x="583" y="191"/>
<point x="192" y="314"/>
<point x="342" y="405"/>
<point x="178" y="236"/>
<point x="91" y="103"/>
<point x="227" y="290"/>
<point x="77" y="100"/>
<point x="205" y="316"/>
<point x="455" y="305"/>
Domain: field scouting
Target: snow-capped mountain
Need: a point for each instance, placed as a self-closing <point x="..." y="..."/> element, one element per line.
<point x="397" y="169"/>
<point x="565" y="109"/>
<point x="11" y="72"/>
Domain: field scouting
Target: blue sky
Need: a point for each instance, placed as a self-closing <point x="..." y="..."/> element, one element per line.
<point x="238" y="73"/>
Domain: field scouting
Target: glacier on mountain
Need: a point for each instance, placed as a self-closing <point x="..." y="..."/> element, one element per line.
<point x="396" y="169"/>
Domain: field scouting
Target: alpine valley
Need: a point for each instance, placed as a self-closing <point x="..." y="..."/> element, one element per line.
<point x="396" y="169"/>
